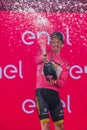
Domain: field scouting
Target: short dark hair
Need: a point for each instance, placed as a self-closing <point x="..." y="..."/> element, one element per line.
<point x="58" y="35"/>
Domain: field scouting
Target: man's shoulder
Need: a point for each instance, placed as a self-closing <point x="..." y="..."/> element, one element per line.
<point x="64" y="61"/>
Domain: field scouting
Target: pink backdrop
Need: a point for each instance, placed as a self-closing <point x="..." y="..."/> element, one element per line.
<point x="18" y="46"/>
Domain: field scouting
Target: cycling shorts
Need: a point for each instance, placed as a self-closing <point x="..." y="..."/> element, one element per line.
<point x="48" y="103"/>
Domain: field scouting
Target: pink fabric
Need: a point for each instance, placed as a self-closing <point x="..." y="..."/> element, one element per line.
<point x="62" y="63"/>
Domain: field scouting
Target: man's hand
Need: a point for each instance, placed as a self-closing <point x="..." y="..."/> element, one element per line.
<point x="52" y="81"/>
<point x="44" y="58"/>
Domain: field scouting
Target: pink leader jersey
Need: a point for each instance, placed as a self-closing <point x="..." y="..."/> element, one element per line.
<point x="62" y="68"/>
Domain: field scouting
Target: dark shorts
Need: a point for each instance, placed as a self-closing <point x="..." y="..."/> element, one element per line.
<point x="48" y="103"/>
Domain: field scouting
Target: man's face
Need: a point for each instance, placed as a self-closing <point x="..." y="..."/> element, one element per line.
<point x="56" y="45"/>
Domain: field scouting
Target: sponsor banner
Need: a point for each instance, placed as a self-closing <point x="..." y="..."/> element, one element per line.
<point x="19" y="32"/>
